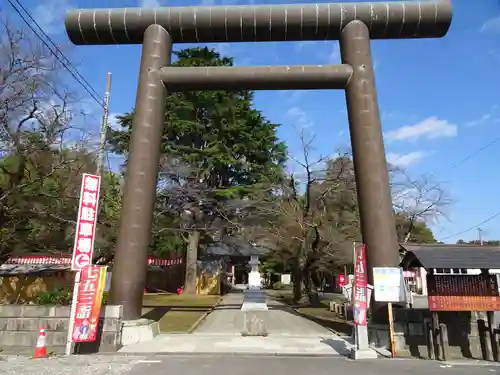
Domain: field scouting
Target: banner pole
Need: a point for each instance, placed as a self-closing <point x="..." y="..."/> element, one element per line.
<point x="76" y="287"/>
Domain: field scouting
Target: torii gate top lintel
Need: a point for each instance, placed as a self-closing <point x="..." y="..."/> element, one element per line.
<point x="260" y="23"/>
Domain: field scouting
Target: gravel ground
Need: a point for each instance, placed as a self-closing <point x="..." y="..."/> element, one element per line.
<point x="74" y="365"/>
<point x="233" y="365"/>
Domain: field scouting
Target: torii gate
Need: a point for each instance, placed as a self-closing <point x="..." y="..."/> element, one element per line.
<point x="353" y="24"/>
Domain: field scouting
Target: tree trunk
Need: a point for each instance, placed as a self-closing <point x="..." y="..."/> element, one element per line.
<point x="297" y="281"/>
<point x="191" y="262"/>
<point x="314" y="284"/>
<point x="297" y="286"/>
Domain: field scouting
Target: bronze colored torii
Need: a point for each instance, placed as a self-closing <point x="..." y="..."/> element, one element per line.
<point x="353" y="24"/>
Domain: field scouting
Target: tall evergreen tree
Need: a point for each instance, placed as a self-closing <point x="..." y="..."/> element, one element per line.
<point x="216" y="148"/>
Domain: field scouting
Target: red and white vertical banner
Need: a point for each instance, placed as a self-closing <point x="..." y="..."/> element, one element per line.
<point x="86" y="222"/>
<point x="83" y="249"/>
<point x="360" y="288"/>
<point x="88" y="304"/>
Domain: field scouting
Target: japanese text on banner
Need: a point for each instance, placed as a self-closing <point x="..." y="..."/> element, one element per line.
<point x="88" y="304"/>
<point x="360" y="297"/>
<point x="86" y="222"/>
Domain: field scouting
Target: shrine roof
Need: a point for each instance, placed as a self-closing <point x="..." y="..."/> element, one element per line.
<point x="28" y="269"/>
<point x="451" y="256"/>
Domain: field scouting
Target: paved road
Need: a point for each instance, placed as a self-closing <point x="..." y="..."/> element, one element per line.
<point x="231" y="365"/>
<point x="221" y="333"/>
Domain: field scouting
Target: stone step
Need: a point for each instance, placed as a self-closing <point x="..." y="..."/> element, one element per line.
<point x="27" y="351"/>
<point x="34" y="324"/>
<point x="10" y="340"/>
<point x="50" y="324"/>
<point x="29" y="338"/>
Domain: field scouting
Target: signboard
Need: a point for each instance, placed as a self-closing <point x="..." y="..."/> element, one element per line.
<point x="463" y="292"/>
<point x="286" y="279"/>
<point x="35" y="260"/>
<point x="86" y="222"/>
<point x="464" y="303"/>
<point x="88" y="303"/>
<point x="360" y="295"/>
<point x="347" y="291"/>
<point x="388" y="284"/>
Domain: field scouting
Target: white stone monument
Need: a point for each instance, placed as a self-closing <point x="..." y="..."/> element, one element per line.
<point x="254" y="297"/>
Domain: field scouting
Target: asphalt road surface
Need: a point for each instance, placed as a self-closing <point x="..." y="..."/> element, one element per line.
<point x="233" y="365"/>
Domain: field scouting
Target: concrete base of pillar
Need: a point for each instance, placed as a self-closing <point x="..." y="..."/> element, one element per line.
<point x="252" y="306"/>
<point x="253" y="326"/>
<point x="254" y="299"/>
<point x="363" y="354"/>
<point x="135" y="331"/>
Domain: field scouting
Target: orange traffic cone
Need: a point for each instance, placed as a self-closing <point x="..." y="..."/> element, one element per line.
<point x="41" y="348"/>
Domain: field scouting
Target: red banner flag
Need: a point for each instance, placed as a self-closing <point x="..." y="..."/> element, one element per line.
<point x="88" y="303"/>
<point x="86" y="222"/>
<point x="360" y="292"/>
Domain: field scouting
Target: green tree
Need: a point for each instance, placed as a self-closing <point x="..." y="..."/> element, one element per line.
<point x="217" y="149"/>
<point x="478" y="242"/>
<point x="43" y="154"/>
<point x="418" y="231"/>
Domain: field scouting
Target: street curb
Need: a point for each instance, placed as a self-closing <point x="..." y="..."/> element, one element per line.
<point x="202" y="318"/>
<point x="458" y="363"/>
<point x="232" y="354"/>
<point x="383" y="352"/>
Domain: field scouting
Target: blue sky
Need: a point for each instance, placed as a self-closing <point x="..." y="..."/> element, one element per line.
<point x="439" y="98"/>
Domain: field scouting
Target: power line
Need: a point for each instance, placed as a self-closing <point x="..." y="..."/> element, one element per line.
<point x="56" y="51"/>
<point x="462" y="161"/>
<point x="475" y="153"/>
<point x="65" y="62"/>
<point x="93" y="93"/>
<point x="473" y="227"/>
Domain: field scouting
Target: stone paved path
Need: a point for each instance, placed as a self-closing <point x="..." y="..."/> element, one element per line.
<point x="220" y="333"/>
<point x="279" y="320"/>
<point x="219" y="344"/>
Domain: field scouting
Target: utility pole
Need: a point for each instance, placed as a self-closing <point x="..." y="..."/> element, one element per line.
<point x="104" y="126"/>
<point x="480" y="236"/>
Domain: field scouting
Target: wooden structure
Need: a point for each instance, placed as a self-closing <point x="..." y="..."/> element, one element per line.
<point x="23" y="278"/>
<point x="457" y="278"/>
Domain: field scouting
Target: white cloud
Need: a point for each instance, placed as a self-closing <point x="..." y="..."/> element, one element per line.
<point x="431" y="128"/>
<point x="49" y="15"/>
<point x="149" y="3"/>
<point x="404" y="160"/>
<point x="334" y="55"/>
<point x="491" y="25"/>
<point x="491" y="116"/>
<point x="292" y="96"/>
<point x="113" y="121"/>
<point x="324" y="50"/>
<point x="300" y="117"/>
